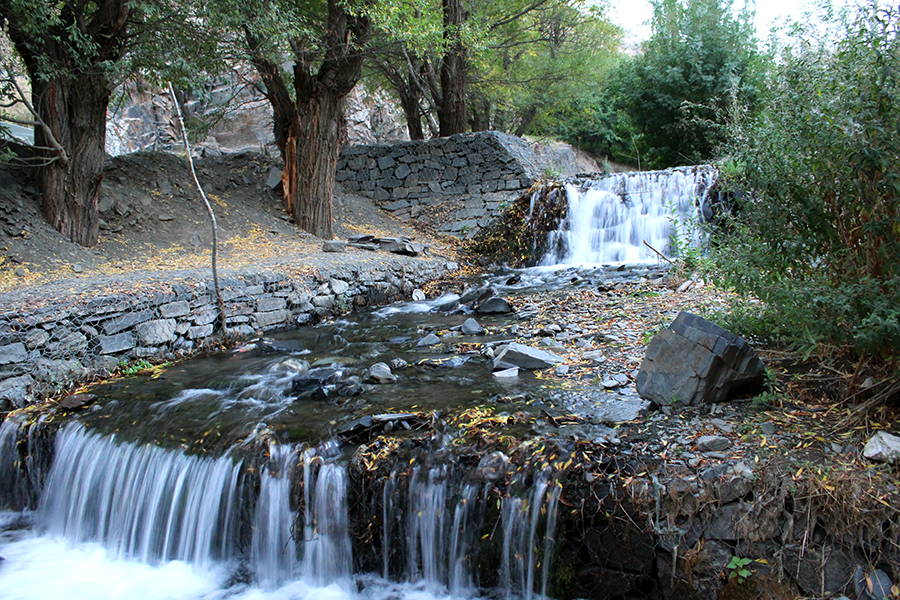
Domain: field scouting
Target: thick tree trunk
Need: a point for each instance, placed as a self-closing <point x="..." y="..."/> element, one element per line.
<point x="322" y="128"/>
<point x="452" y="109"/>
<point x="75" y="111"/>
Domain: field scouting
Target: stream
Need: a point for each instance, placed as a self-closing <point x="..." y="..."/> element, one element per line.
<point x="296" y="467"/>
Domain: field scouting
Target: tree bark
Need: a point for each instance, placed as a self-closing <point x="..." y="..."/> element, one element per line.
<point x="70" y="94"/>
<point x="452" y="108"/>
<point x="74" y="108"/>
<point x="322" y="132"/>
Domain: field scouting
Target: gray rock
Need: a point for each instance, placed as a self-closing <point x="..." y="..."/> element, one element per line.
<point x="429" y="340"/>
<point x="57" y="371"/>
<point x="272" y="318"/>
<point x="36" y="338"/>
<point x="379" y="373"/>
<point x="126" y="321"/>
<point x="767" y="428"/>
<point x="562" y="370"/>
<point x="67" y="343"/>
<point x="471" y="327"/>
<point x="525" y="357"/>
<point x="875" y="585"/>
<point x="270" y="304"/>
<point x="13" y="353"/>
<point x="882" y="447"/>
<point x="399" y="363"/>
<point x="156" y="332"/>
<point x="697" y="362"/>
<point x="274" y="179"/>
<point x="175" y="309"/>
<point x="15" y="389"/>
<point x="404" y="248"/>
<point x="198" y="332"/>
<point x="339" y="286"/>
<point x="821" y="573"/>
<point x="494" y="305"/>
<point x="507" y="373"/>
<point x="491" y="467"/>
<point x="113" y="344"/>
<point x="207" y="315"/>
<point x="334" y="246"/>
<point x="595" y="355"/>
<point x="713" y="443"/>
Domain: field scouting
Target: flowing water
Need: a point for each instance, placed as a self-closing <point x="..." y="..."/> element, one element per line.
<point x="234" y="475"/>
<point x="623" y="218"/>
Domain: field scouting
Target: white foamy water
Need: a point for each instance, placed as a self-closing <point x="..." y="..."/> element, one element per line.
<point x="615" y="219"/>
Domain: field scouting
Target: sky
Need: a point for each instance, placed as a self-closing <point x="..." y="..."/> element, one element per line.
<point x="635" y="15"/>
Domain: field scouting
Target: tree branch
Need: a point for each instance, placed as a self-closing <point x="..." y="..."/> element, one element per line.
<point x="38" y="122"/>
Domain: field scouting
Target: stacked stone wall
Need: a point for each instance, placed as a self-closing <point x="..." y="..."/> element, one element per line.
<point x="456" y="184"/>
<point x="48" y="350"/>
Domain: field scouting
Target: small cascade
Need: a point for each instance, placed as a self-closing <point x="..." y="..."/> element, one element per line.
<point x="449" y="527"/>
<point x="274" y="517"/>
<point x="327" y="553"/>
<point x="273" y="551"/>
<point x="9" y="468"/>
<point x="614" y="219"/>
<point x="141" y="502"/>
<point x="522" y="517"/>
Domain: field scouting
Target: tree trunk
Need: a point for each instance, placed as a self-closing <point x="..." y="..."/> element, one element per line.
<point x="321" y="133"/>
<point x="74" y="108"/>
<point x="452" y="109"/>
<point x="527" y="118"/>
<point x="412" y="112"/>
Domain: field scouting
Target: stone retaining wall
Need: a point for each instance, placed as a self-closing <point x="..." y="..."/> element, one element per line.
<point x="456" y="184"/>
<point x="47" y="350"/>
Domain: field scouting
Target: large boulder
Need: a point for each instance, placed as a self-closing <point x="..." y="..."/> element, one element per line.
<point x="697" y="362"/>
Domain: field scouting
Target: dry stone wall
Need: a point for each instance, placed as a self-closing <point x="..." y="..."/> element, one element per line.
<point x="47" y="350"/>
<point x="455" y="184"/>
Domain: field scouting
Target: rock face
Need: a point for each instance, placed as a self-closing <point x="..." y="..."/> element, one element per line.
<point x="696" y="362"/>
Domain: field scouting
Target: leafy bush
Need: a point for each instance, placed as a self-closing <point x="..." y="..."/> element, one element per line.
<point x="817" y="241"/>
<point x="701" y="57"/>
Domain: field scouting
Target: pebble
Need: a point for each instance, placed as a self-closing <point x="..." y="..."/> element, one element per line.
<point x="767" y="428"/>
<point x="712" y="443"/>
<point x="562" y="370"/>
<point x="722" y="425"/>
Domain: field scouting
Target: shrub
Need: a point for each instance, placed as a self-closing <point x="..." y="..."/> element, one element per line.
<point x="817" y="240"/>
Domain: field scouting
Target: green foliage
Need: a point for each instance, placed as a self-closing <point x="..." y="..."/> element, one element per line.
<point x="737" y="568"/>
<point x="700" y="60"/>
<point x="818" y="238"/>
<point x="134" y="368"/>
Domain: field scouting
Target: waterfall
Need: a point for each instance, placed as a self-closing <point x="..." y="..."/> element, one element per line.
<point x="272" y="550"/>
<point x="613" y="219"/>
<point x="327" y="553"/>
<point x="522" y="516"/>
<point x="281" y="521"/>
<point x="141" y="502"/>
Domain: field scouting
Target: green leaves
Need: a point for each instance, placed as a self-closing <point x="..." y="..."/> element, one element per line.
<point x="819" y="241"/>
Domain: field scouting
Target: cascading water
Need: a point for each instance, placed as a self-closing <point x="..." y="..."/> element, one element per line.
<point x="152" y="509"/>
<point x="614" y="219"/>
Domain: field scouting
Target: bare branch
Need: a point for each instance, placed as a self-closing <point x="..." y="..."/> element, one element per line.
<point x="56" y="146"/>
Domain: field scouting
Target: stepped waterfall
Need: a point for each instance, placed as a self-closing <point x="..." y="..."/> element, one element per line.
<point x="624" y="217"/>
